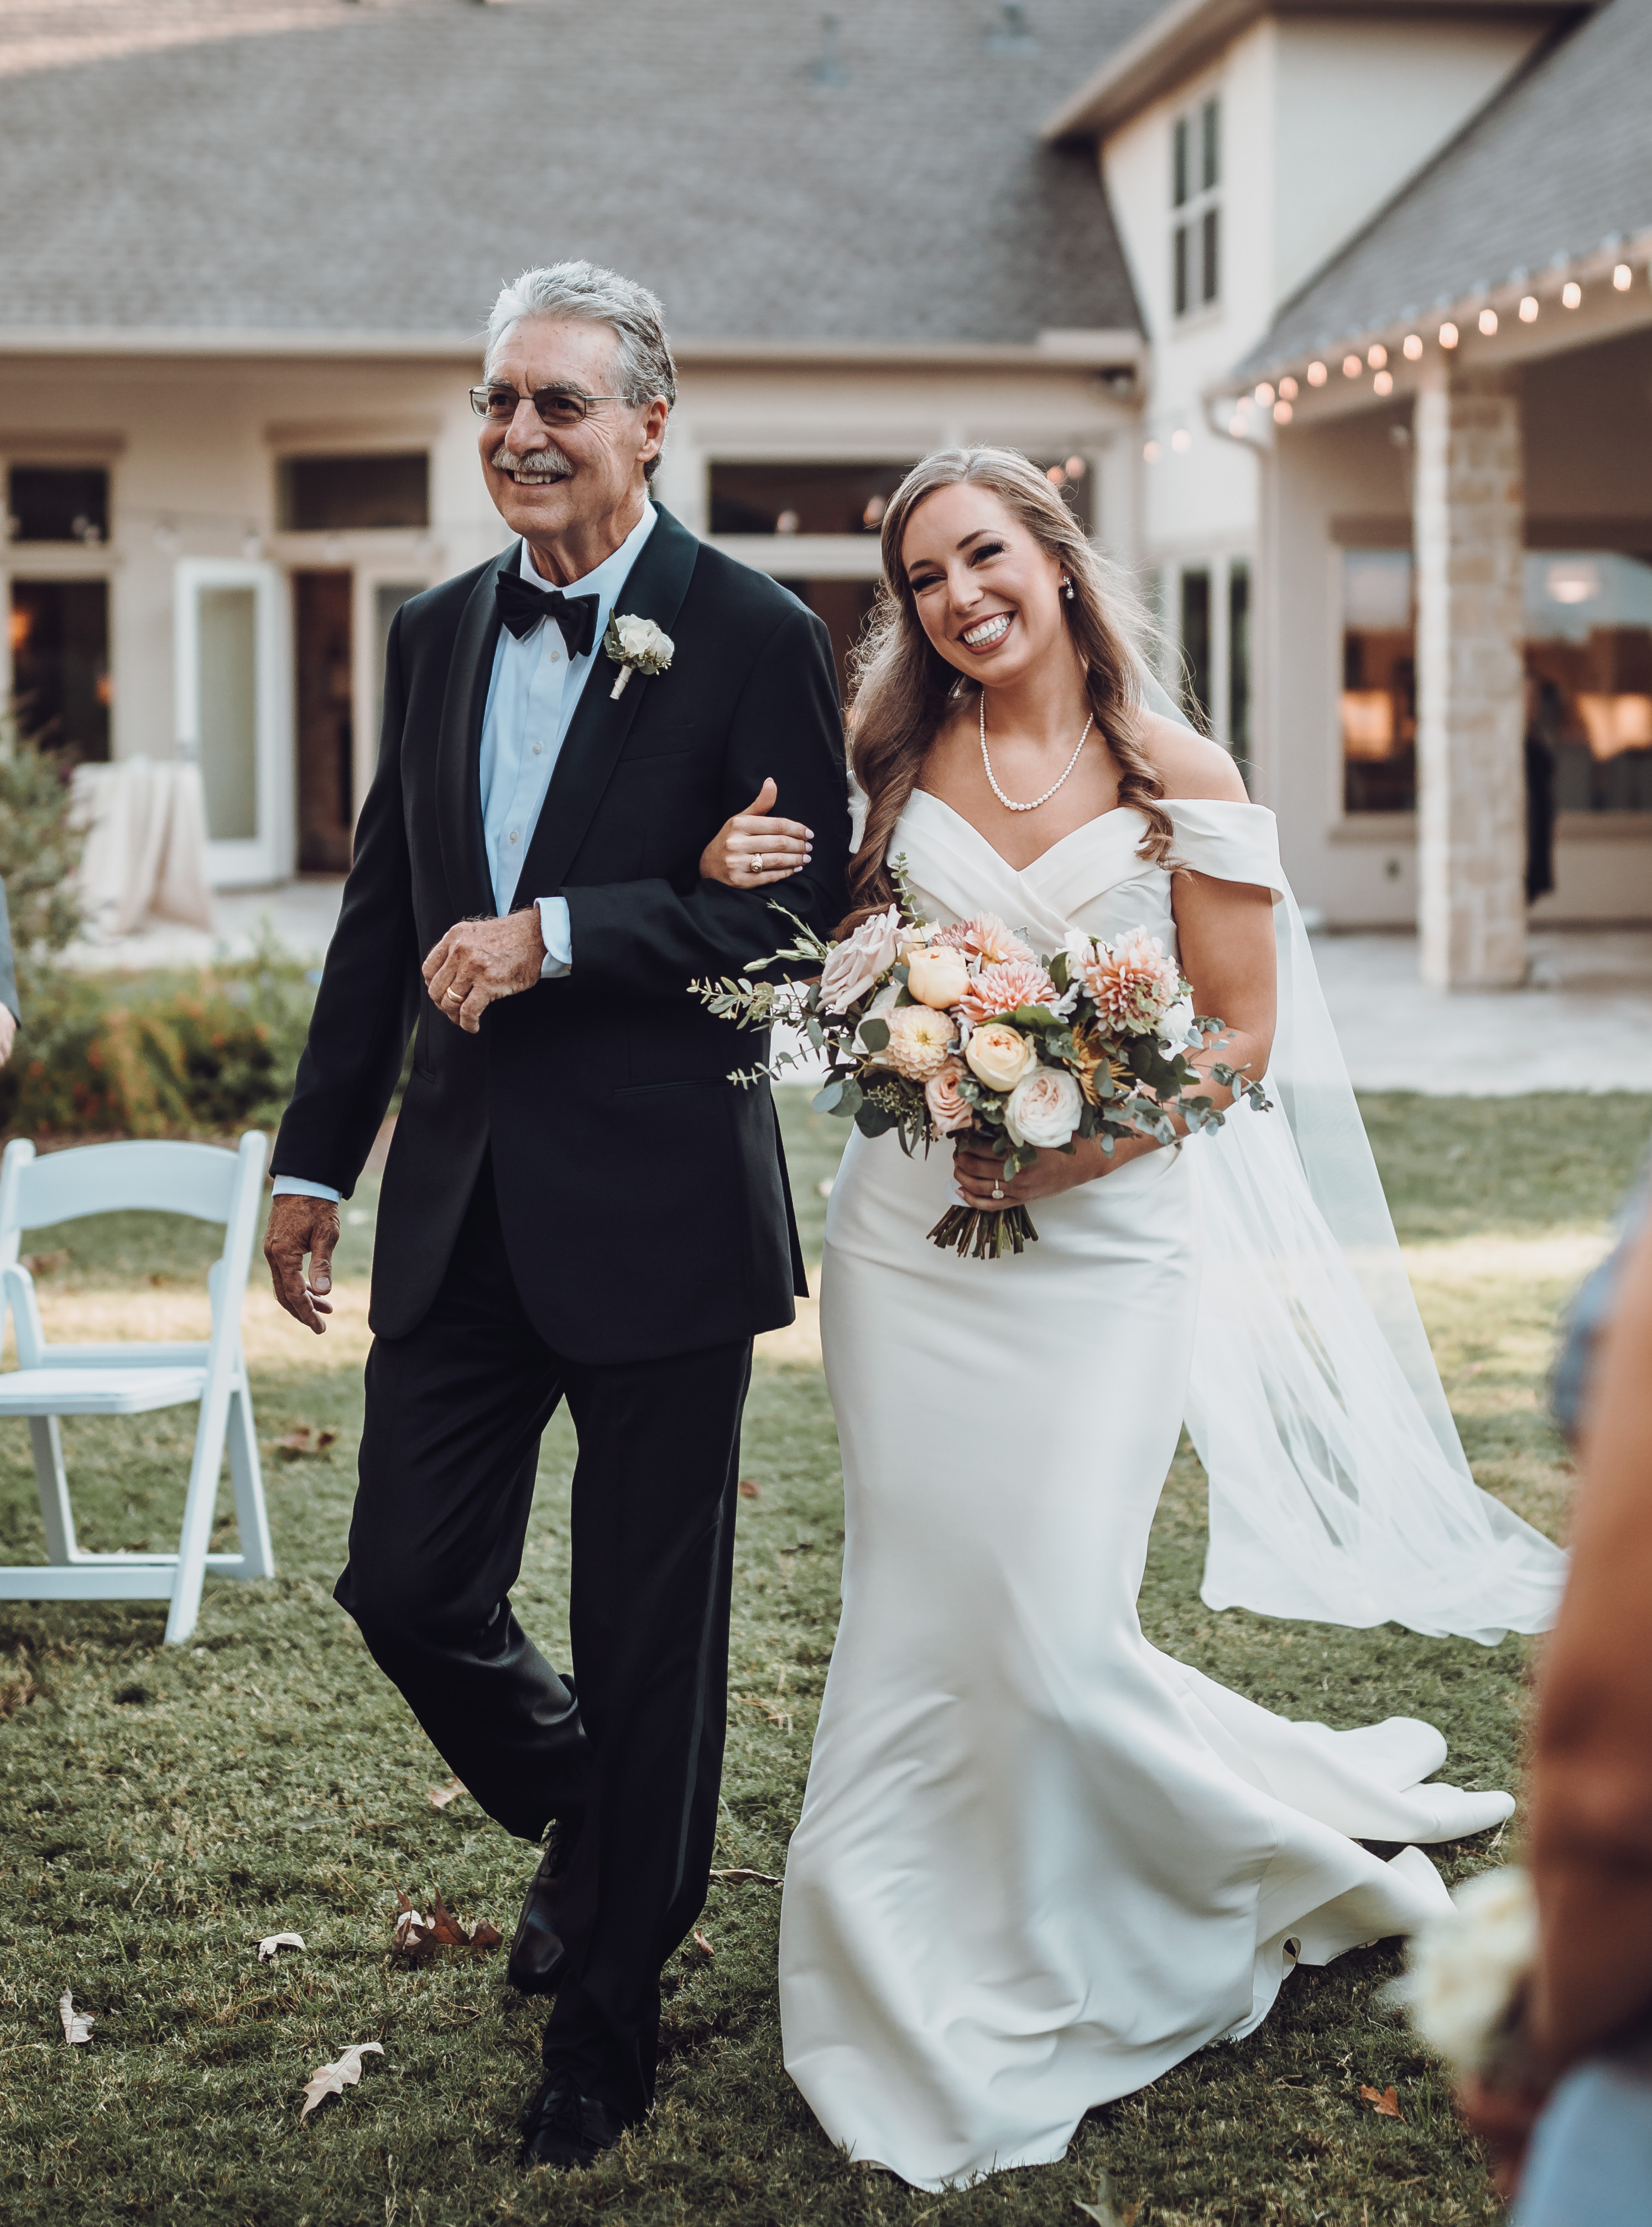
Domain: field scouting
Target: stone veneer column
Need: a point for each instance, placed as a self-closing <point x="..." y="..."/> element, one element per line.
<point x="1467" y="521"/>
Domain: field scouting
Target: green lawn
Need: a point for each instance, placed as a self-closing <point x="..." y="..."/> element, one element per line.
<point x="165" y="1809"/>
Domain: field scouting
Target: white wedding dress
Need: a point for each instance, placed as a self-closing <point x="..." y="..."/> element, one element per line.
<point x="1038" y="1861"/>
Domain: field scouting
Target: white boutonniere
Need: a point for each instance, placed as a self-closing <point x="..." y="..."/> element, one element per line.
<point x="636" y="645"/>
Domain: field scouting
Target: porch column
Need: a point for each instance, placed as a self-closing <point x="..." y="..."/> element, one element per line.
<point x="1468" y="520"/>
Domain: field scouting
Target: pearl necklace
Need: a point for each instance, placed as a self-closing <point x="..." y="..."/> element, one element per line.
<point x="1009" y="802"/>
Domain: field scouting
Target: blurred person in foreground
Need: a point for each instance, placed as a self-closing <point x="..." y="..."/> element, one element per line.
<point x="1574" y="2133"/>
<point x="10" y="1010"/>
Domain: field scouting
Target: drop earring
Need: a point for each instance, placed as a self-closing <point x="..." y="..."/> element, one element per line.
<point x="1067" y="587"/>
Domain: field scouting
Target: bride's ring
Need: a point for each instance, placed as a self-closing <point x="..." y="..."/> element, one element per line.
<point x="756" y="862"/>
<point x="998" y="1191"/>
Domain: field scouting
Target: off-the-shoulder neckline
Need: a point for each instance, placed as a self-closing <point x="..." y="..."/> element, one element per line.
<point x="1172" y="804"/>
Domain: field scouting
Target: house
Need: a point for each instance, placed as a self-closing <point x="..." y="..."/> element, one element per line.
<point x="250" y="244"/>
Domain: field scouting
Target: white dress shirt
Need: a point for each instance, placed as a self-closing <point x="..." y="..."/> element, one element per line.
<point x="532" y="695"/>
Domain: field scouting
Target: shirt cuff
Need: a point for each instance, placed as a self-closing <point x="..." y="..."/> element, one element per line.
<point x="296" y="1187"/>
<point x="558" y="931"/>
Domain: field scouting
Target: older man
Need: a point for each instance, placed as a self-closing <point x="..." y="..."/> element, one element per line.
<point x="577" y="1202"/>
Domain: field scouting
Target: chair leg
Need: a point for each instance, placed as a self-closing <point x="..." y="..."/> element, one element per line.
<point x="202" y="1499"/>
<point x="53" y="1479"/>
<point x="251" y="1519"/>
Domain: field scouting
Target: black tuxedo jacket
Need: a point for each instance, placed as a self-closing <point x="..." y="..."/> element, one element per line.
<point x="643" y="1197"/>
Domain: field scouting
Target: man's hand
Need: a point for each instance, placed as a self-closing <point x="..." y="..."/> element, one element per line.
<point x="8" y="1033"/>
<point x="482" y="960"/>
<point x="298" y="1226"/>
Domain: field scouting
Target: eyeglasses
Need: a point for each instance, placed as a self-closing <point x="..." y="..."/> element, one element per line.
<point x="558" y="406"/>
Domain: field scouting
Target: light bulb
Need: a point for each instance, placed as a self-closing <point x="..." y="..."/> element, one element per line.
<point x="1288" y="389"/>
<point x="1376" y="355"/>
<point x="1413" y="347"/>
<point x="1352" y="367"/>
<point x="1528" y="310"/>
<point x="1623" y="277"/>
<point x="1282" y="413"/>
<point x="1383" y="382"/>
<point x="1571" y="294"/>
<point x="1152" y="451"/>
<point x="1181" y="440"/>
<point x="1488" y="322"/>
<point x="1316" y="374"/>
<point x="1448" y="335"/>
<point x="1265" y="395"/>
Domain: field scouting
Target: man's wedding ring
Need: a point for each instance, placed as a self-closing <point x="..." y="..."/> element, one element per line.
<point x="452" y="996"/>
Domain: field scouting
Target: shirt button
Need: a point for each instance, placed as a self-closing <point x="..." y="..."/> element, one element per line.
<point x="538" y="749"/>
<point x="513" y="834"/>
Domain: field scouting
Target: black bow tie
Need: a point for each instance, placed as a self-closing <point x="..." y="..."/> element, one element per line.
<point x="521" y="606"/>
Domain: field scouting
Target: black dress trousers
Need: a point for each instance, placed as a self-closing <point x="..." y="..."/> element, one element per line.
<point x="454" y="1416"/>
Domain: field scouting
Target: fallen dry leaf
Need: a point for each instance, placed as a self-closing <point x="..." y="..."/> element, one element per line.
<point x="43" y="1264"/>
<point x="332" y="2079"/>
<point x="1104" y="2212"/>
<point x="743" y="1877"/>
<point x="271" y="1942"/>
<point x="418" y="1935"/>
<point x="749" y="1489"/>
<point x="305" y="1439"/>
<point x="77" y="2027"/>
<point x="704" y="1945"/>
<point x="439" y="1796"/>
<point x="1385" y="2102"/>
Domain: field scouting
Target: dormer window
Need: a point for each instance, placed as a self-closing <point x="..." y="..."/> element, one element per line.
<point x="1195" y="180"/>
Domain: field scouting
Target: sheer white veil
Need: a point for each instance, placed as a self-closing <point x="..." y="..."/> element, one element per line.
<point x="1339" y="1488"/>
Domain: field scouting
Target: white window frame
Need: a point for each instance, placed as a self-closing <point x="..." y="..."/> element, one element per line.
<point x="1201" y="200"/>
<point x="266" y="857"/>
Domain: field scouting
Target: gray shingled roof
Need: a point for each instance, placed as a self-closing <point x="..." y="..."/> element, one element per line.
<point x="385" y="170"/>
<point x="1558" y="163"/>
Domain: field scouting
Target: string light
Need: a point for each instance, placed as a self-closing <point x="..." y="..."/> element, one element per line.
<point x="1623" y="277"/>
<point x="1413" y="345"/>
<point x="1571" y="294"/>
<point x="1288" y="389"/>
<point x="1264" y="396"/>
<point x="1352" y="367"/>
<point x="1316" y="374"/>
<point x="1383" y="382"/>
<point x="1376" y="355"/>
<point x="1448" y="335"/>
<point x="1488" y="322"/>
<point x="1282" y="413"/>
<point x="1181" y="440"/>
<point x="1151" y="452"/>
<point x="1528" y="310"/>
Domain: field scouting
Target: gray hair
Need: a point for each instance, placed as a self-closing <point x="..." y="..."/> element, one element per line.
<point x="587" y="294"/>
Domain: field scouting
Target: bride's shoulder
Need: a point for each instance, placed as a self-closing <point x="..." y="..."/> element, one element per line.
<point x="1189" y="765"/>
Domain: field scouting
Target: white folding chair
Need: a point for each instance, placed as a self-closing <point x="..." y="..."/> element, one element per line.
<point x="132" y="1378"/>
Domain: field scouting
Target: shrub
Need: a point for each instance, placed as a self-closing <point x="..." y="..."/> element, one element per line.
<point x="40" y="850"/>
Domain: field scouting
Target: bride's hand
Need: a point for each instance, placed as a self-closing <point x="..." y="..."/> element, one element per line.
<point x="977" y="1170"/>
<point x="751" y="849"/>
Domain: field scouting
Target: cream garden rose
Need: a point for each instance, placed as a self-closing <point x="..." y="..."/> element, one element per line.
<point x="937" y="978"/>
<point x="1043" y="1109"/>
<point x="857" y="962"/>
<point x="1001" y="1054"/>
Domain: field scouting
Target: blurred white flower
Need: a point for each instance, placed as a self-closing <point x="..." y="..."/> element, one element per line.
<point x="1466" y="1969"/>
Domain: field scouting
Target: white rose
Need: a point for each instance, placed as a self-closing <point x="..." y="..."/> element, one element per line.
<point x="643" y="642"/>
<point x="857" y="962"/>
<point x="1176" y="1032"/>
<point x="1043" y="1109"/>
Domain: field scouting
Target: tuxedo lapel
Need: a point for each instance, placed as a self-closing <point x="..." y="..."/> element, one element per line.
<point x="458" y="766"/>
<point x="653" y="590"/>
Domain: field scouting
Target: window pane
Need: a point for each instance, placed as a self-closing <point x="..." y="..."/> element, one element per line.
<point x="1211" y="122"/>
<point x="1239" y="664"/>
<point x="47" y="503"/>
<point x="1589" y="671"/>
<point x="1379" y="703"/>
<point x="1196" y="648"/>
<point x="60" y="663"/>
<point x="802" y="498"/>
<point x="1181" y="280"/>
<point x="333" y="495"/>
<point x="1179" y="163"/>
<point x="1210" y="244"/>
<point x="229" y="711"/>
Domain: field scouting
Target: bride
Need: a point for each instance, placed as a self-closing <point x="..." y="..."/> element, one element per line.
<point x="1038" y="1861"/>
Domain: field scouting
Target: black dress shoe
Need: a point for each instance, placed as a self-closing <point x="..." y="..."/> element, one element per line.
<point x="537" y="1954"/>
<point x="563" y="2127"/>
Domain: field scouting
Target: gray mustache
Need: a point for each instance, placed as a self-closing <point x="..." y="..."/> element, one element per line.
<point x="543" y="463"/>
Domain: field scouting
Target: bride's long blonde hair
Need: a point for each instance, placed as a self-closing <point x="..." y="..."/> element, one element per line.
<point x="904" y="690"/>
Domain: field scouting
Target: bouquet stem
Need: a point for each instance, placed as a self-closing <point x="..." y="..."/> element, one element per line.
<point x="984" y="1236"/>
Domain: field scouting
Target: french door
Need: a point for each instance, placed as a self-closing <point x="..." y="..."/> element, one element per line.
<point x="234" y="715"/>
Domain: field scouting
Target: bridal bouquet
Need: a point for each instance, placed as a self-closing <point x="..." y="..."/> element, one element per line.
<point x="935" y="1031"/>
